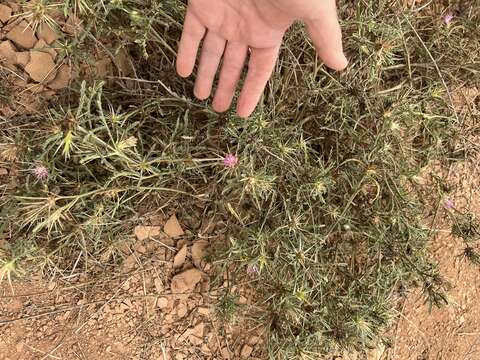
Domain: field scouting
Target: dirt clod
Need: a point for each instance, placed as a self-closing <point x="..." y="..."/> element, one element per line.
<point x="246" y="351"/>
<point x="146" y="232"/>
<point x="162" y="303"/>
<point x="198" y="251"/>
<point x="62" y="79"/>
<point x="41" y="67"/>
<point x="7" y="52"/>
<point x="172" y="227"/>
<point x="22" y="35"/>
<point x="41" y="45"/>
<point x="180" y="257"/>
<point x="22" y="58"/>
<point x="186" y="281"/>
<point x="47" y="34"/>
<point x="5" y="13"/>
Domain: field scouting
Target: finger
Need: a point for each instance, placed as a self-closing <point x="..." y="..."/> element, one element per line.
<point x="326" y="35"/>
<point x="212" y="51"/>
<point x="193" y="33"/>
<point x="233" y="63"/>
<point x="260" y="68"/>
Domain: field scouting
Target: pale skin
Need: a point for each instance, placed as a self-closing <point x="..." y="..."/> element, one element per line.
<point x="231" y="31"/>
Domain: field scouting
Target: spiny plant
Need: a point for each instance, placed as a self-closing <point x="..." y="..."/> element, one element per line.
<point x="323" y="206"/>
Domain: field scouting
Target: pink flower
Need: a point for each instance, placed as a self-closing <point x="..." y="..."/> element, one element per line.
<point x="40" y="172"/>
<point x="252" y="270"/>
<point x="449" y="204"/>
<point x="230" y="161"/>
<point x="447" y="19"/>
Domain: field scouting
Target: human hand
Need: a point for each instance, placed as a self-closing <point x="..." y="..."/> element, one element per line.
<point x="234" y="29"/>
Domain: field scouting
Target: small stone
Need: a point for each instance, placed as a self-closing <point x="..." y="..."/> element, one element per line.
<point x="225" y="353"/>
<point x="182" y="310"/>
<point x="253" y="340"/>
<point x="158" y="285"/>
<point x="41" y="67"/>
<point x="140" y="248"/>
<point x="172" y="227"/>
<point x="203" y="311"/>
<point x="5" y="13"/>
<point x="41" y="45"/>
<point x="246" y="351"/>
<point x="146" y="232"/>
<point x="7" y="52"/>
<point x="198" y="330"/>
<point x="22" y="58"/>
<point x="129" y="263"/>
<point x="186" y="281"/>
<point x="198" y="251"/>
<point x="73" y="26"/>
<point x="22" y="35"/>
<point x="180" y="257"/>
<point x="52" y="285"/>
<point x="62" y="79"/>
<point x="47" y="34"/>
<point x="162" y="303"/>
<point x="205" y="349"/>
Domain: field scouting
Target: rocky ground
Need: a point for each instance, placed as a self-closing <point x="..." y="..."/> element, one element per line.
<point x="157" y="307"/>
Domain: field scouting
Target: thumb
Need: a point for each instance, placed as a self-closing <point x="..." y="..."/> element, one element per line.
<point x="327" y="37"/>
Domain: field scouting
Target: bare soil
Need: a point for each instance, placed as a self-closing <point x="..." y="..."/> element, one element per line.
<point x="157" y="307"/>
<point x="453" y="332"/>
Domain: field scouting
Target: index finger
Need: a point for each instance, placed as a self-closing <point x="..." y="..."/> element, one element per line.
<point x="192" y="35"/>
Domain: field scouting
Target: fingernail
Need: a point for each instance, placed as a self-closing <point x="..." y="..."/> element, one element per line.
<point x="342" y="61"/>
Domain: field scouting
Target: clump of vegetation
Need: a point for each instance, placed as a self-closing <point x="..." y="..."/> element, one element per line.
<point x="325" y="202"/>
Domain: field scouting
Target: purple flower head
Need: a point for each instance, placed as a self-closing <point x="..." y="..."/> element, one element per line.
<point x="447" y="19"/>
<point x="40" y="172"/>
<point x="449" y="204"/>
<point x="230" y="161"/>
<point x="252" y="270"/>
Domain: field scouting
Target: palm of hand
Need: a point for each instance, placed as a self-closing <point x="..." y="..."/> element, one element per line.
<point x="233" y="28"/>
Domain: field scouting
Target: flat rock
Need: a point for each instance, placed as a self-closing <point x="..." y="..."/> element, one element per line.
<point x="7" y="52"/>
<point x="22" y="35"/>
<point x="172" y="227"/>
<point x="182" y="310"/>
<point x="47" y="34"/>
<point x="162" y="303"/>
<point x="41" y="67"/>
<point x="43" y="46"/>
<point x="146" y="232"/>
<point x="5" y="13"/>
<point x="22" y="58"/>
<point x="180" y="257"/>
<point x="198" y="251"/>
<point x="186" y="281"/>
<point x="61" y="81"/>
<point x="246" y="351"/>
